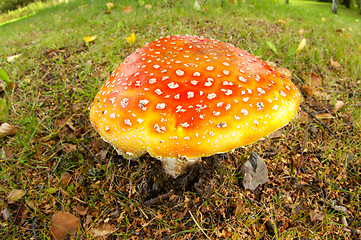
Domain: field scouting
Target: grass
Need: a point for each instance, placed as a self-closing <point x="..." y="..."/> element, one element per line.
<point x="57" y="74"/>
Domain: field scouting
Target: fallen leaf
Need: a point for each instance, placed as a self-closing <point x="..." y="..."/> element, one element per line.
<point x="6" y="153"/>
<point x="7" y="130"/>
<point x="276" y="134"/>
<point x="89" y="39"/>
<point x="63" y="224"/>
<point x="323" y="19"/>
<point x="109" y="6"/>
<point x="340" y="208"/>
<point x="301" y="45"/>
<point x="127" y="9"/>
<point x="81" y="210"/>
<point x="13" y="58"/>
<point x="340" y="31"/>
<point x="301" y="31"/>
<point x="15" y="195"/>
<point x="324" y="117"/>
<point x="196" y="6"/>
<point x="64" y="179"/>
<point x="309" y="91"/>
<point x="7" y="213"/>
<point x="148" y="6"/>
<point x="239" y="208"/>
<point x="272" y="64"/>
<point x="102" y="230"/>
<point x="285" y="71"/>
<point x="317" y="215"/>
<point x="282" y="22"/>
<point x="339" y="105"/>
<point x="254" y="172"/>
<point x="323" y="95"/>
<point x="334" y="64"/>
<point x="131" y="39"/>
<point x="359" y="47"/>
<point x="312" y="79"/>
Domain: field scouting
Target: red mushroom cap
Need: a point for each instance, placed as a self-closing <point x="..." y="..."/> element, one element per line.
<point x="188" y="96"/>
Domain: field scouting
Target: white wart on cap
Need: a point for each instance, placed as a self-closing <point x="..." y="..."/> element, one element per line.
<point x="180" y="98"/>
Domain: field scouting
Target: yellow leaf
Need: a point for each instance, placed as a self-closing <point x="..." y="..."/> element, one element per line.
<point x="339" y="105"/>
<point x="7" y="130"/>
<point x="127" y="9"/>
<point x="323" y="19"/>
<point x="334" y="64"/>
<point x="301" y="45"/>
<point x="89" y="39"/>
<point x="131" y="39"/>
<point x="13" y="58"/>
<point x="109" y="6"/>
<point x="282" y="22"/>
<point x="359" y="47"/>
<point x="301" y="31"/>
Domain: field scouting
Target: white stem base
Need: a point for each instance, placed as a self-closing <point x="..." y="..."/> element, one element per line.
<point x="176" y="166"/>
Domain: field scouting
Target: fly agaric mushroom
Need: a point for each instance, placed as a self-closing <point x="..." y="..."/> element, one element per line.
<point x="181" y="98"/>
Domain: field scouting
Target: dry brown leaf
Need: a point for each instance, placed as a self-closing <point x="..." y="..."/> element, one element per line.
<point x="309" y="91"/>
<point x="81" y="210"/>
<point x="317" y="215"/>
<point x="6" y="153"/>
<point x="64" y="179"/>
<point x="272" y="64"/>
<point x="254" y="172"/>
<point x="324" y="117"/>
<point x="301" y="31"/>
<point x="276" y="134"/>
<point x="7" y="213"/>
<point x="15" y="195"/>
<point x="7" y="130"/>
<point x="239" y="208"/>
<point x="102" y="230"/>
<point x="322" y="95"/>
<point x="62" y="224"/>
<point x="304" y="117"/>
<point x="340" y="31"/>
<point x="312" y="79"/>
<point x="69" y="147"/>
<point x="127" y="9"/>
<point x="334" y="64"/>
<point x="285" y="71"/>
<point x="13" y="58"/>
<point x="339" y="105"/>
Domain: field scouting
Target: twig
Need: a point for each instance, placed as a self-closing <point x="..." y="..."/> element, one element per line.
<point x="51" y="174"/>
<point x="318" y="120"/>
<point x="96" y="159"/>
<point x="198" y="225"/>
<point x="303" y="148"/>
<point x="270" y="154"/>
<point x="20" y="206"/>
<point x="252" y="200"/>
<point x="158" y="199"/>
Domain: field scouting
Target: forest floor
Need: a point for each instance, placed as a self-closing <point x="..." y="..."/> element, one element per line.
<point x="56" y="171"/>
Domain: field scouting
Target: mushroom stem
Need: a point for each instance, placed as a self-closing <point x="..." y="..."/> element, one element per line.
<point x="176" y="166"/>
